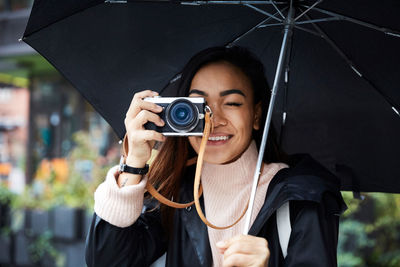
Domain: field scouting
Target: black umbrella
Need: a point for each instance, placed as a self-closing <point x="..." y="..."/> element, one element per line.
<point x="339" y="96"/>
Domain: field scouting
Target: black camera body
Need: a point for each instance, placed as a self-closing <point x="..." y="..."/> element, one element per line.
<point x="183" y="116"/>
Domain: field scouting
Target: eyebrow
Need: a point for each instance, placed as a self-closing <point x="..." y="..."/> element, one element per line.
<point x="232" y="91"/>
<point x="223" y="93"/>
<point x="198" y="92"/>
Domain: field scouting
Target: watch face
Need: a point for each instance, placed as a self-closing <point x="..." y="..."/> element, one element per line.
<point x="121" y="164"/>
<point x="121" y="167"/>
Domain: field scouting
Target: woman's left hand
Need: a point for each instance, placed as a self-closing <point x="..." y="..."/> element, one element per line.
<point x="245" y="250"/>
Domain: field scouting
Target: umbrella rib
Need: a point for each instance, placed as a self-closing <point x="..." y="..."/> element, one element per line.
<point x="271" y="25"/>
<point x="359" y="22"/>
<point x="116" y="1"/>
<point x="237" y="39"/>
<point x="25" y="35"/>
<point x="264" y="12"/>
<point x="309" y="31"/>
<point x="353" y="67"/>
<point x="317" y="20"/>
<point x="277" y="9"/>
<point x="224" y="2"/>
<point x="308" y="9"/>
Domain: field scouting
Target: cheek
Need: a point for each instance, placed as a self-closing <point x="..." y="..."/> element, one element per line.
<point x="247" y="123"/>
<point x="194" y="142"/>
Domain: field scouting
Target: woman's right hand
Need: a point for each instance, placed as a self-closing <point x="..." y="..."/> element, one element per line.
<point x="140" y="140"/>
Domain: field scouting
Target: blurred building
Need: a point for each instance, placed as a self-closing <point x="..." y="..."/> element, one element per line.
<point x="39" y="109"/>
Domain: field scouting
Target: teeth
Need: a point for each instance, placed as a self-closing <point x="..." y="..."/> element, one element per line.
<point x="218" y="138"/>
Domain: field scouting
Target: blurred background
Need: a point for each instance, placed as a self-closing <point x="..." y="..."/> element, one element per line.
<point x="55" y="150"/>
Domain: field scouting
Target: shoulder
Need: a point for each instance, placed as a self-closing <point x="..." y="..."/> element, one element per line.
<point x="270" y="170"/>
<point x="305" y="171"/>
<point x="306" y="180"/>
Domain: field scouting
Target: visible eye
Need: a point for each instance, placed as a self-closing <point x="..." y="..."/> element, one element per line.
<point x="235" y="104"/>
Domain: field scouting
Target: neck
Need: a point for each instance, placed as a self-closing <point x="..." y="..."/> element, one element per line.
<point x="239" y="172"/>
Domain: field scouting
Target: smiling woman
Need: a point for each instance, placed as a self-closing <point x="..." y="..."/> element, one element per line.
<point x="126" y="232"/>
<point x="229" y="94"/>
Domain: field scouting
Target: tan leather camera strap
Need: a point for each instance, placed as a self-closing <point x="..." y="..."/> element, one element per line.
<point x="197" y="190"/>
<point x="150" y="188"/>
<point x="206" y="134"/>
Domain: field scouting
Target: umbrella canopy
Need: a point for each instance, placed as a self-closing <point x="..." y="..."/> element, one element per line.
<point x="339" y="99"/>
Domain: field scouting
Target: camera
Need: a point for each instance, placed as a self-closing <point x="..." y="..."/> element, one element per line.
<point x="183" y="116"/>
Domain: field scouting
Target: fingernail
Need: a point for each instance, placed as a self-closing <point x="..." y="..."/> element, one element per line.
<point x="220" y="244"/>
<point x="159" y="108"/>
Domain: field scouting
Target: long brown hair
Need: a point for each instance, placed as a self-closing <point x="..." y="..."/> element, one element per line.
<point x="169" y="165"/>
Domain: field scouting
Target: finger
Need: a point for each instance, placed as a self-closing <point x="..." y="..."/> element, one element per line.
<point x="142" y="118"/>
<point x="242" y="238"/>
<point x="246" y="245"/>
<point x="226" y="243"/>
<point x="239" y="247"/>
<point x="140" y="105"/>
<point x="139" y="96"/>
<point x="238" y="260"/>
<point x="148" y="135"/>
<point x="259" y="250"/>
<point x="145" y="93"/>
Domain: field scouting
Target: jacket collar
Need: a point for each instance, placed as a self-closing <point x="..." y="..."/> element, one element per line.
<point x="305" y="180"/>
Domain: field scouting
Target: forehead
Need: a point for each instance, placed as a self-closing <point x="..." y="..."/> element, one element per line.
<point x="218" y="76"/>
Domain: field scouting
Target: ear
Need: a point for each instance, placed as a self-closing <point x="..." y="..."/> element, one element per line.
<point x="257" y="116"/>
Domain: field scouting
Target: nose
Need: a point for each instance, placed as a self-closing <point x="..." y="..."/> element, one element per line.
<point x="218" y="117"/>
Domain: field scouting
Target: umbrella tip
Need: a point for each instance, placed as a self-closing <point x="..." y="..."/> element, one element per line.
<point x="20" y="39"/>
<point x="393" y="34"/>
<point x="357" y="195"/>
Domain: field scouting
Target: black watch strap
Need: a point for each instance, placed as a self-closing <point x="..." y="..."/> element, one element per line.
<point x="125" y="168"/>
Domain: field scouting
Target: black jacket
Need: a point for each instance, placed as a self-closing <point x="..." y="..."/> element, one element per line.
<point x="315" y="206"/>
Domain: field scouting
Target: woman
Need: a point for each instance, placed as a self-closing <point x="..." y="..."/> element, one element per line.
<point x="232" y="82"/>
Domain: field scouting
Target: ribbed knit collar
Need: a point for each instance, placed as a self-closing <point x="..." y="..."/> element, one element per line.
<point x="237" y="173"/>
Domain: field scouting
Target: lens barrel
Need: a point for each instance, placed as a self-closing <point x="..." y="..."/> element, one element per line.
<point x="182" y="115"/>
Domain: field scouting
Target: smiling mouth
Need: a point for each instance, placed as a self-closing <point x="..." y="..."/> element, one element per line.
<point x="219" y="138"/>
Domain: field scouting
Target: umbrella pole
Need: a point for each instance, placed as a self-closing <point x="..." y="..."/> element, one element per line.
<point x="287" y="35"/>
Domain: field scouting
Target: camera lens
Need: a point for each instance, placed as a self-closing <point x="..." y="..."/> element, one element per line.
<point x="182" y="115"/>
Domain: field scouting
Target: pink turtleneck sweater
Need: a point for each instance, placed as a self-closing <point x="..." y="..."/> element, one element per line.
<point x="226" y="191"/>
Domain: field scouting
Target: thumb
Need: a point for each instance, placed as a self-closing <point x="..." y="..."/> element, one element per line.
<point x="224" y="244"/>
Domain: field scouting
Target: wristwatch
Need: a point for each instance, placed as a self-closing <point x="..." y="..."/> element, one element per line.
<point x="126" y="168"/>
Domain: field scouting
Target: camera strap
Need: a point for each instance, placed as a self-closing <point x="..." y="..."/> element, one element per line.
<point x="198" y="190"/>
<point x="150" y="188"/>
<point x="207" y="129"/>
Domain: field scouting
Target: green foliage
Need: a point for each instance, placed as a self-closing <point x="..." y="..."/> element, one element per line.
<point x="370" y="231"/>
<point x="352" y="237"/>
<point x="81" y="172"/>
<point x="42" y="246"/>
<point x="86" y="170"/>
<point x="6" y="196"/>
